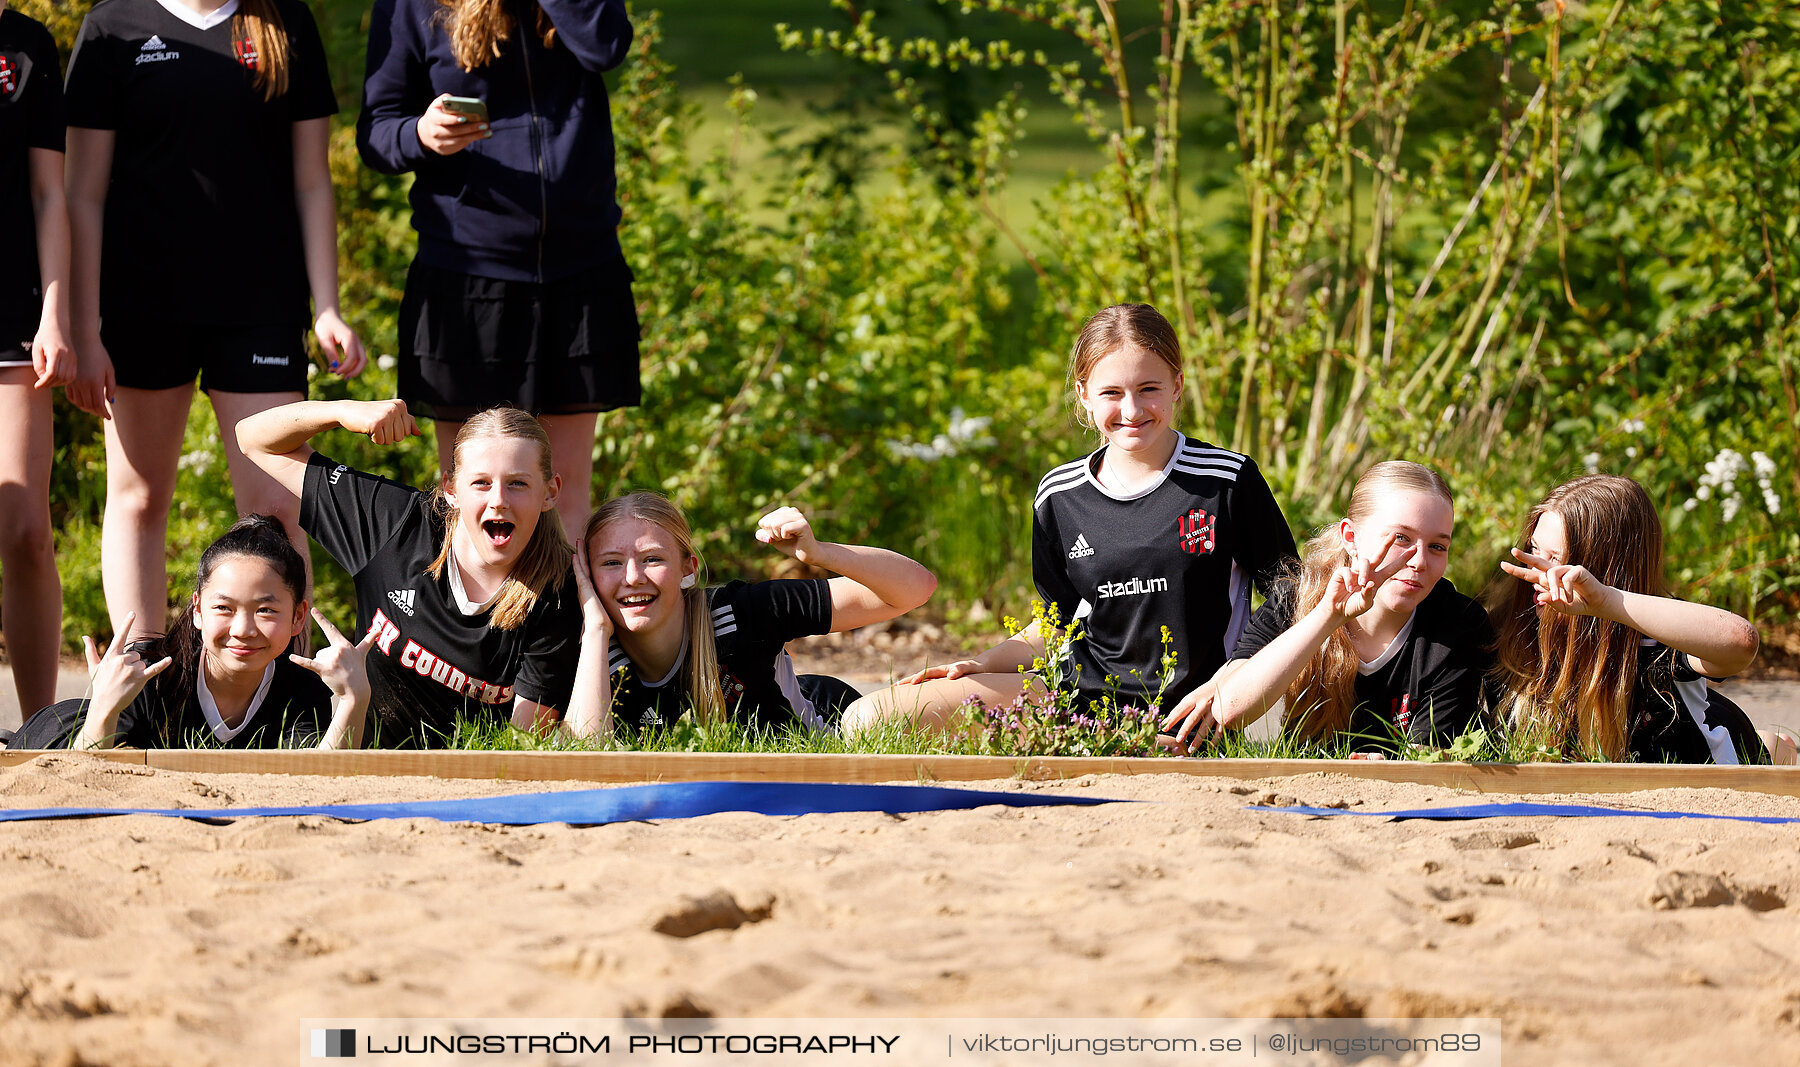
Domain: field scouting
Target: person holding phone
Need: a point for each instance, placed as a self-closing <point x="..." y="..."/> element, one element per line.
<point x="519" y="292"/>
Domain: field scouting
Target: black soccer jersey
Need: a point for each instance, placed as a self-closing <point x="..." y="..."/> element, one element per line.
<point x="1426" y="687"/>
<point x="1180" y="554"/>
<point x="31" y="116"/>
<point x="752" y="621"/>
<point x="291" y="710"/>
<point x="1677" y="718"/>
<point x="431" y="662"/>
<point x="200" y="218"/>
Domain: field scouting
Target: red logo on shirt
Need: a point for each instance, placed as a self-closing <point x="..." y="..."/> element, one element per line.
<point x="9" y="76"/>
<point x="1197" y="529"/>
<point x="246" y="53"/>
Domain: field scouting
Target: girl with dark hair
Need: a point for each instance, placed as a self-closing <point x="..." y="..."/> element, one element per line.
<point x="1153" y="532"/>
<point x="519" y="293"/>
<point x="465" y="588"/>
<point x="35" y="353"/>
<point x="1595" y="658"/>
<point x="200" y="207"/>
<point x="228" y="676"/>
<point x="656" y="642"/>
<point x="1364" y="638"/>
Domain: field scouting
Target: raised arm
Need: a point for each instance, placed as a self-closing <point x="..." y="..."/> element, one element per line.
<point x="876" y="585"/>
<point x="597" y="32"/>
<point x="590" y="705"/>
<point x="1718" y="643"/>
<point x="276" y="439"/>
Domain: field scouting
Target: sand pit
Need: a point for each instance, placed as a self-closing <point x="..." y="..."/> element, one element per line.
<point x="142" y="940"/>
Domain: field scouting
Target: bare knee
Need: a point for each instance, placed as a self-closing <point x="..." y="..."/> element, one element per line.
<point x="25" y="535"/>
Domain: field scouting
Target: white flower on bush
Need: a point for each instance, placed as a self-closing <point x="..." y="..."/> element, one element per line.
<point x="1721" y="479"/>
<point x="961" y="435"/>
<point x="1592" y="462"/>
<point x="198" y="461"/>
<point x="1632" y="426"/>
<point x="387" y="362"/>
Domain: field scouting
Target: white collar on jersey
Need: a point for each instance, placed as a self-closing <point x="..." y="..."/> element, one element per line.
<point x="463" y="603"/>
<point x="1087" y="468"/>
<point x="194" y="18"/>
<point x="211" y="707"/>
<point x="1392" y="650"/>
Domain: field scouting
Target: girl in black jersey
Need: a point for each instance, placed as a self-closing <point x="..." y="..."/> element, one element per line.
<point x="1153" y="532"/>
<point x="35" y="354"/>
<point x="656" y="642"/>
<point x="225" y="677"/>
<point x="1595" y="660"/>
<point x="1365" y="638"/>
<point x="201" y="213"/>
<point x="466" y="589"/>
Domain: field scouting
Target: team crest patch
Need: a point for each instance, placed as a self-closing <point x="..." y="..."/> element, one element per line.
<point x="1196" y="529"/>
<point x="12" y="75"/>
<point x="246" y="53"/>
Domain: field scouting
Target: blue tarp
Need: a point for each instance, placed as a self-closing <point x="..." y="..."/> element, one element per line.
<point x="593" y="807"/>
<point x="1517" y="808"/>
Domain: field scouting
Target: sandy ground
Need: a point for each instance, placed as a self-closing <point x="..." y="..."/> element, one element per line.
<point x="141" y="940"/>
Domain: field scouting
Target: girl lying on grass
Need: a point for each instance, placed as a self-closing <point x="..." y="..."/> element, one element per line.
<point x="1365" y="639"/>
<point x="1595" y="660"/>
<point x="1153" y="533"/>
<point x="228" y="676"/>
<point x="466" y="588"/>
<point x="656" y="642"/>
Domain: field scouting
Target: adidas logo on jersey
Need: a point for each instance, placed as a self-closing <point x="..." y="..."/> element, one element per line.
<point x="403" y="599"/>
<point x="154" y="51"/>
<point x="1080" y="549"/>
<point x="154" y="44"/>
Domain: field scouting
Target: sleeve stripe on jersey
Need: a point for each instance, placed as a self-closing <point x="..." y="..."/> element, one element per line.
<point x="1067" y="476"/>
<point x="724" y="621"/>
<point x="1201" y="459"/>
<point x="1228" y="474"/>
<point x="616" y="659"/>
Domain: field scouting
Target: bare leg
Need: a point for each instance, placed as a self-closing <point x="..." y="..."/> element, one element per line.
<point x="143" y="446"/>
<point x="931" y="704"/>
<point x="255" y="492"/>
<point x="572" y="455"/>
<point x="31" y="611"/>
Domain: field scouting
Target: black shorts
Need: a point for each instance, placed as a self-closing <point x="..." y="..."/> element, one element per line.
<point x="468" y="343"/>
<point x="232" y="359"/>
<point x="15" y="340"/>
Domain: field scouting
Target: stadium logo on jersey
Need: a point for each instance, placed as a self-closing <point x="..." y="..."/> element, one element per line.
<point x="1135" y="587"/>
<point x="246" y="53"/>
<point x="154" y="51"/>
<point x="1197" y="530"/>
<point x="403" y="599"/>
<point x="1080" y="549"/>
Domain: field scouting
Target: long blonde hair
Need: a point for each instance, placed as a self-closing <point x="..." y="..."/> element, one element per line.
<point x="477" y="29"/>
<point x="545" y="564"/>
<point x="1321" y="700"/>
<point x="1570" y="678"/>
<point x="702" y="674"/>
<point x="260" y="39"/>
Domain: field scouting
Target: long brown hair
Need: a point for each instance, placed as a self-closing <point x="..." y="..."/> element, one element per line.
<point x="1322" y="698"/>
<point x="545" y="564"/>
<point x="1570" y="678"/>
<point x="702" y="674"/>
<point x="477" y="29"/>
<point x="1116" y="327"/>
<point x="260" y="39"/>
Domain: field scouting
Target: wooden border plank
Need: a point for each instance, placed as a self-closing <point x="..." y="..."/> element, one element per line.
<point x="617" y="767"/>
<point x="130" y="756"/>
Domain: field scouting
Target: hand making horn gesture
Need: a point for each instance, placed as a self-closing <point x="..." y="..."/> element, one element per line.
<point x="114" y="681"/>
<point x="1566" y="587"/>
<point x="343" y="667"/>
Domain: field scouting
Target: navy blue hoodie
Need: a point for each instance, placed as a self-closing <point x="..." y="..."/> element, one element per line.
<point x="538" y="200"/>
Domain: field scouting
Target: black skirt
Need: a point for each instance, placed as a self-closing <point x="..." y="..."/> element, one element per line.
<point x="565" y="347"/>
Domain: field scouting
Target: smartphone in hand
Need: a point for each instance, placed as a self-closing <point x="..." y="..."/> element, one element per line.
<point x="472" y="108"/>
